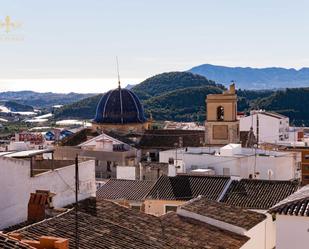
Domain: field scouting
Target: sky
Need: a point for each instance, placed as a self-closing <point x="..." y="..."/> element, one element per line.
<point x="71" y="45"/>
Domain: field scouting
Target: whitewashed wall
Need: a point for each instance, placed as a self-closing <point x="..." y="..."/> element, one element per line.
<point x="292" y="232"/>
<point x="283" y="167"/>
<point x="126" y="172"/>
<point x="263" y="235"/>
<point x="16" y="186"/>
<point x="270" y="128"/>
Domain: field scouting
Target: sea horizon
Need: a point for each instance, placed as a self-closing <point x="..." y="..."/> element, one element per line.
<point x="65" y="85"/>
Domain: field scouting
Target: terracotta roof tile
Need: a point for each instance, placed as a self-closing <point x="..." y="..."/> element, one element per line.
<point x="220" y="211"/>
<point x="166" y="139"/>
<point x="258" y="194"/>
<point x="296" y="204"/>
<point x="7" y="242"/>
<point x="119" y="189"/>
<point x="103" y="224"/>
<point x="186" y="187"/>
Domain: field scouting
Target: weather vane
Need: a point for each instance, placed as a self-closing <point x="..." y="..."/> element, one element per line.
<point x="118" y="72"/>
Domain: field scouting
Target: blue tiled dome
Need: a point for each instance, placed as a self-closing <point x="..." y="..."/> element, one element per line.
<point x="119" y="106"/>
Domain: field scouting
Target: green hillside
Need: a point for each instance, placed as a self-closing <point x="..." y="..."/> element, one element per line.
<point x="17" y="107"/>
<point x="174" y="95"/>
<point x="181" y="97"/>
<point x="184" y="104"/>
<point x="166" y="82"/>
<point x="83" y="109"/>
<point x="292" y="102"/>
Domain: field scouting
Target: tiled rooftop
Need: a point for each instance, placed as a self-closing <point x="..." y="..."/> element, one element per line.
<point x="7" y="242"/>
<point x="220" y="211"/>
<point x="118" y="189"/>
<point x="296" y="204"/>
<point x="103" y="224"/>
<point x="258" y="194"/>
<point x="166" y="139"/>
<point x="79" y="137"/>
<point x="185" y="187"/>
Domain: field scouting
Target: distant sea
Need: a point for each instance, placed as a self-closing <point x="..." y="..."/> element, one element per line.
<point x="65" y="85"/>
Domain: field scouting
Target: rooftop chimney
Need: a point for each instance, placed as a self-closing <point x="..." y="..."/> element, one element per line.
<point x="37" y="205"/>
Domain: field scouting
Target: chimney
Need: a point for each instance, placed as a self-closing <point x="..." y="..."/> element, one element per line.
<point x="37" y="205"/>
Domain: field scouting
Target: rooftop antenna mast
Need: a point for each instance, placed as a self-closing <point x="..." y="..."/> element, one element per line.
<point x="118" y="72"/>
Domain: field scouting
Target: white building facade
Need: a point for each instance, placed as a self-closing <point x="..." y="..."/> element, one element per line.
<point x="292" y="220"/>
<point x="16" y="186"/>
<point x="233" y="160"/>
<point x="267" y="126"/>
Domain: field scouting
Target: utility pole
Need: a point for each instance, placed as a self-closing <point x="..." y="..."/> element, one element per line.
<point x="175" y="144"/>
<point x="257" y="129"/>
<point x="76" y="202"/>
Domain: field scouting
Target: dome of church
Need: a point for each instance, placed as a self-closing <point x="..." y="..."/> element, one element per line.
<point x="119" y="106"/>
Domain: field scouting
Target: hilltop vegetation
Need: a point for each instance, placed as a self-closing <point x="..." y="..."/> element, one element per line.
<point x="83" y="109"/>
<point x="184" y="104"/>
<point x="168" y="82"/>
<point x="292" y="102"/>
<point x="17" y="107"/>
<point x="181" y="96"/>
<point x="170" y="96"/>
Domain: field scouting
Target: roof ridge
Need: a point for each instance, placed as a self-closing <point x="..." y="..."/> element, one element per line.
<point x="278" y="205"/>
<point x="124" y="227"/>
<point x="42" y="221"/>
<point x="266" y="180"/>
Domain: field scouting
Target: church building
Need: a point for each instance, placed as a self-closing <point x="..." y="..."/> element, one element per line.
<point x="222" y="126"/>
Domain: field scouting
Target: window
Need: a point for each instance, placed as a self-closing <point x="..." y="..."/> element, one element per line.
<point x="220" y="113"/>
<point x="307" y="156"/>
<point x="306" y="177"/>
<point x="306" y="167"/>
<point x="171" y="160"/>
<point x="170" y="208"/>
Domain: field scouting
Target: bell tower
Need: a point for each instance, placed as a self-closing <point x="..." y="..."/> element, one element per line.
<point x="222" y="126"/>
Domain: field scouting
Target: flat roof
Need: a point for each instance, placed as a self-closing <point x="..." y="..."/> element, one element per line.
<point x="28" y="153"/>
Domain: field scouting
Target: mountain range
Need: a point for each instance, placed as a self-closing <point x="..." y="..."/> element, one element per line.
<point x="41" y="100"/>
<point x="255" y="78"/>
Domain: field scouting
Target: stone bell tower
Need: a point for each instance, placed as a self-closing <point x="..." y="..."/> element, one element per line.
<point x="222" y="126"/>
